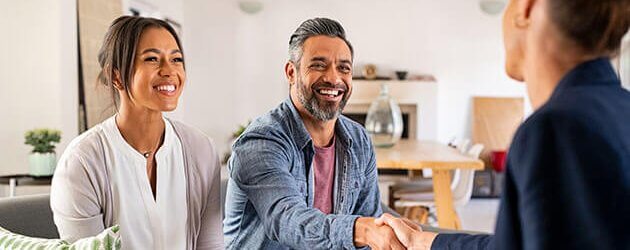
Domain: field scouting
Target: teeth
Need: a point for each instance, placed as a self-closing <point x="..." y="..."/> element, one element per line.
<point x="168" y="88"/>
<point x="329" y="92"/>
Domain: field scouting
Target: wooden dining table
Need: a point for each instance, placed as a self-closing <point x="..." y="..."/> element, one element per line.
<point x="441" y="159"/>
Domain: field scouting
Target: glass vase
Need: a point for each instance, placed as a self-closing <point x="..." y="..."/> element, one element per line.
<point x="384" y="121"/>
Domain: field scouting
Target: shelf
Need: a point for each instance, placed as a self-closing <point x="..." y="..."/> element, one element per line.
<point x="418" y="78"/>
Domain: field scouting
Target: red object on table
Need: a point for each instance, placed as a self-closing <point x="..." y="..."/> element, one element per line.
<point x="497" y="159"/>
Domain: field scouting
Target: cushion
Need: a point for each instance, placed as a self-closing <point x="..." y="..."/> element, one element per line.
<point x="106" y="240"/>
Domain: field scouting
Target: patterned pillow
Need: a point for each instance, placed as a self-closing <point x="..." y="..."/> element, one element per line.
<point x="107" y="240"/>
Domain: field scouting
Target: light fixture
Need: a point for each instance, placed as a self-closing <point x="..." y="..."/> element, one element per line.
<point x="250" y="7"/>
<point x="492" y="7"/>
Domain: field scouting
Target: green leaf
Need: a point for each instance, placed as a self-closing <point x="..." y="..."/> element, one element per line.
<point x="95" y="244"/>
<point x="42" y="140"/>
<point x="108" y="242"/>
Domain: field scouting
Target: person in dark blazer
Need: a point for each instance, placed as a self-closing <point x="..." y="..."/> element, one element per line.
<point x="567" y="184"/>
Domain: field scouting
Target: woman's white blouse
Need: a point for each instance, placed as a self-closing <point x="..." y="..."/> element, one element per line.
<point x="147" y="223"/>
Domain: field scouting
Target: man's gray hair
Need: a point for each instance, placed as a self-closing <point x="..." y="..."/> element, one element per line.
<point x="314" y="27"/>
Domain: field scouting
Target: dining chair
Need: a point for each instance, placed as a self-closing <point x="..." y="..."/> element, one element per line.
<point x="420" y="205"/>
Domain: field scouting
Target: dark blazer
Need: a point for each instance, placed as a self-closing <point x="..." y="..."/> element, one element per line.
<point x="567" y="183"/>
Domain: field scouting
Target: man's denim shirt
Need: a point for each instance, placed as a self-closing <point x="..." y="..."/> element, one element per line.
<point x="269" y="203"/>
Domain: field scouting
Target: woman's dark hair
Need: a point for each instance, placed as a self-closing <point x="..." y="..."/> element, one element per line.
<point x="118" y="51"/>
<point x="597" y="26"/>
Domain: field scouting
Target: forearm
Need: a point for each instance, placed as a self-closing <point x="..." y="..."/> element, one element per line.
<point x="309" y="228"/>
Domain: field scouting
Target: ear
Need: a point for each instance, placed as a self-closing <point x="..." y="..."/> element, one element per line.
<point x="117" y="82"/>
<point x="524" y="11"/>
<point x="290" y="72"/>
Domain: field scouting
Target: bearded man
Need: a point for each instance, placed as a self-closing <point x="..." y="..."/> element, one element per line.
<point x="303" y="176"/>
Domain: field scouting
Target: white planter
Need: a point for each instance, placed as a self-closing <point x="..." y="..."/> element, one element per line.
<point x="42" y="164"/>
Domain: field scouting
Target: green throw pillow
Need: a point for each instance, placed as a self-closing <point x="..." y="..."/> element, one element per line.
<point x="107" y="240"/>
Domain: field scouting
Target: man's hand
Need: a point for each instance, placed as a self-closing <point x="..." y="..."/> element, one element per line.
<point x="367" y="233"/>
<point x="409" y="233"/>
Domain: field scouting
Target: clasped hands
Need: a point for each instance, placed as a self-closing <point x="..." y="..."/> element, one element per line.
<point x="389" y="232"/>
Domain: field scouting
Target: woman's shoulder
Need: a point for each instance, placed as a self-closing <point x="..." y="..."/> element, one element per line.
<point x="84" y="156"/>
<point x="88" y="144"/>
<point x="556" y="122"/>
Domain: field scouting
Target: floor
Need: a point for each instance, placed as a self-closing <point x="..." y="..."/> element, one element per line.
<point x="479" y="215"/>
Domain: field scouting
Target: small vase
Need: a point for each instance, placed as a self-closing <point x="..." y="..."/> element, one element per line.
<point x="384" y="120"/>
<point x="42" y="164"/>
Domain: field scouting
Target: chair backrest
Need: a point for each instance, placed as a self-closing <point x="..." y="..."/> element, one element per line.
<point x="462" y="146"/>
<point x="475" y="150"/>
<point x="28" y="215"/>
<point x="462" y="190"/>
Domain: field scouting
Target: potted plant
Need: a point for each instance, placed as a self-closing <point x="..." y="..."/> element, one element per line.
<point x="241" y="128"/>
<point x="42" y="159"/>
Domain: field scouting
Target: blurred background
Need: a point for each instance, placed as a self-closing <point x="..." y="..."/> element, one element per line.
<point x="235" y="52"/>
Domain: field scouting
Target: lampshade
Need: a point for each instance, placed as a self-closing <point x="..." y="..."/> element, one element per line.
<point x="492" y="7"/>
<point x="250" y="7"/>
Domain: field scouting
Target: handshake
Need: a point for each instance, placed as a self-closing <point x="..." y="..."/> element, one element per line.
<point x="389" y="232"/>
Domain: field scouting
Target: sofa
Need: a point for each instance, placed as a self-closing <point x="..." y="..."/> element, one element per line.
<point x="28" y="215"/>
<point x="31" y="215"/>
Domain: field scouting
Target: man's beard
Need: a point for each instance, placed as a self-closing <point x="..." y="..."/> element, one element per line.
<point x="321" y="110"/>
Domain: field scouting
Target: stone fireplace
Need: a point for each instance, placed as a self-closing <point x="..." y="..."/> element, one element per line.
<point x="358" y="113"/>
<point x="417" y="101"/>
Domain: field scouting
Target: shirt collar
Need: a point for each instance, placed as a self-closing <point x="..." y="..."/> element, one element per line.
<point x="114" y="135"/>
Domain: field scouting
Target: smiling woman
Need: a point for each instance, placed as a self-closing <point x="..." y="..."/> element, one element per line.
<point x="159" y="73"/>
<point x="110" y="174"/>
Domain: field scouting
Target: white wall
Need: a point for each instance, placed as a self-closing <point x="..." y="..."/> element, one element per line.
<point x="171" y="9"/>
<point x="235" y="60"/>
<point x="39" y="75"/>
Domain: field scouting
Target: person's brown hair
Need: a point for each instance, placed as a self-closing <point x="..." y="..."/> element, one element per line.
<point x="597" y="26"/>
<point x="118" y="51"/>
